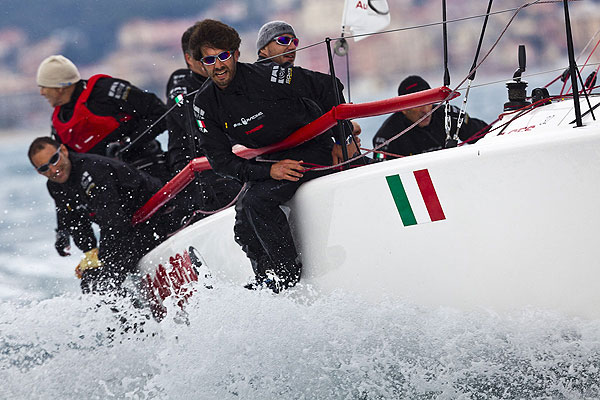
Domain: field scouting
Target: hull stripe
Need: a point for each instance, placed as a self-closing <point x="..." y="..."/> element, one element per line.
<point x="432" y="202"/>
<point x="401" y="200"/>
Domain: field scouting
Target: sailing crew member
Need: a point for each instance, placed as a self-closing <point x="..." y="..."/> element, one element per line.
<point x="209" y="191"/>
<point x="109" y="191"/>
<point x="257" y="105"/>
<point x="277" y="43"/>
<point x="102" y="114"/>
<point x="99" y="116"/>
<point x="429" y="134"/>
<point x="182" y="146"/>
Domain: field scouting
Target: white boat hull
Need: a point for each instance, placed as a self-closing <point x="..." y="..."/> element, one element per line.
<point x="519" y="229"/>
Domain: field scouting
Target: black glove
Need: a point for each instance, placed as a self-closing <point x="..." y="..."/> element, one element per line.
<point x="62" y="244"/>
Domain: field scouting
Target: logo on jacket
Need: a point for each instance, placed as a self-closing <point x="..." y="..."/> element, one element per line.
<point x="86" y="183"/>
<point x="177" y="90"/>
<point x="199" y="115"/>
<point x="281" y="74"/>
<point x="119" y="90"/>
<point x="245" y="121"/>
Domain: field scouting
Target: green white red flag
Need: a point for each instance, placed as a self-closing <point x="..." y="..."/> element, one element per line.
<point x="415" y="197"/>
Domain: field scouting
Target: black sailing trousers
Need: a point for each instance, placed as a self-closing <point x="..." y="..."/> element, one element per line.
<point x="261" y="226"/>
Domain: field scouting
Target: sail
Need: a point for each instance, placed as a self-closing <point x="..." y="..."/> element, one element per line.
<point x="365" y="16"/>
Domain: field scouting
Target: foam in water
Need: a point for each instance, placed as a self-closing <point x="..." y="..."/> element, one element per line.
<point x="235" y="343"/>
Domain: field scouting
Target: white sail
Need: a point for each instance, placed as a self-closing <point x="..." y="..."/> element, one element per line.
<point x="365" y="16"/>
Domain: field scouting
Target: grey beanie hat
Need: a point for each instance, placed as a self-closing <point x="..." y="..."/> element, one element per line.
<point x="56" y="72"/>
<point x="271" y="30"/>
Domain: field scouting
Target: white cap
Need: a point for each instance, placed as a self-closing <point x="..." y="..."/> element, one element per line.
<point x="56" y="72"/>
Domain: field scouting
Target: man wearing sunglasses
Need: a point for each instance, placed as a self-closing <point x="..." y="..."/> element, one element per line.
<point x="98" y="116"/>
<point x="257" y="105"/>
<point x="277" y="41"/>
<point x="209" y="191"/>
<point x="109" y="191"/>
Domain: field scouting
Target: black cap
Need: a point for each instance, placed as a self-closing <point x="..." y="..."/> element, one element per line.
<point x="412" y="84"/>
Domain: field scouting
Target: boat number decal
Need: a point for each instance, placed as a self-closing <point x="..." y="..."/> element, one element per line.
<point x="415" y="197"/>
<point x="523" y="129"/>
<point x="173" y="279"/>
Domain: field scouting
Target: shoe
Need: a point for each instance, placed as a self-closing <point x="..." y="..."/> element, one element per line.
<point x="271" y="282"/>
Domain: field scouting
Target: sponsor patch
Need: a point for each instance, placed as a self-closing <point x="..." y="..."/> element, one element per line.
<point x="176" y="91"/>
<point x="178" y="78"/>
<point x="258" y="128"/>
<point x="86" y="183"/>
<point x="415" y="197"/>
<point x="281" y="74"/>
<point x="119" y="90"/>
<point x="199" y="115"/>
<point x="245" y="121"/>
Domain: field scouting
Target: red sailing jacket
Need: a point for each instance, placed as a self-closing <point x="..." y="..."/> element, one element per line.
<point x="84" y="130"/>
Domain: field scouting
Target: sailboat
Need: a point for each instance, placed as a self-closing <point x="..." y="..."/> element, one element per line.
<point x="506" y="223"/>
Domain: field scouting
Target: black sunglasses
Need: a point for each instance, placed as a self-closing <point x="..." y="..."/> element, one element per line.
<point x="53" y="161"/>
<point x="223" y="56"/>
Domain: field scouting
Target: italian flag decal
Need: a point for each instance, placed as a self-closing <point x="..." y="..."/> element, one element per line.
<point x="415" y="197"/>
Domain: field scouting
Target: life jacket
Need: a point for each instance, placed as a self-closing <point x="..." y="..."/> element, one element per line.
<point x="84" y="130"/>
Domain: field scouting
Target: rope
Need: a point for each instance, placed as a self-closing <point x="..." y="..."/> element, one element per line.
<point x="205" y="212"/>
<point x="585" y="64"/>
<point x="578" y="57"/>
<point x="141" y="135"/>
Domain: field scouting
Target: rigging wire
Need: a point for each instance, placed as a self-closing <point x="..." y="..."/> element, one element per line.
<point x="580" y="55"/>
<point x="447" y="118"/>
<point x="490" y="83"/>
<point x="463" y="109"/>
<point x="585" y="63"/>
<point x="502" y="33"/>
<point x="515" y="11"/>
<point x="431" y="24"/>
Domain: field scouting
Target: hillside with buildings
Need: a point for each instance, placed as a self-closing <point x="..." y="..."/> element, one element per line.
<point x="142" y="43"/>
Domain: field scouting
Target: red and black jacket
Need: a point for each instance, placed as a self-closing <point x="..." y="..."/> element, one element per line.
<point x="103" y="110"/>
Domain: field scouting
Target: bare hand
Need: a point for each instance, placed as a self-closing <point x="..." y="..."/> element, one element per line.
<point x="290" y="170"/>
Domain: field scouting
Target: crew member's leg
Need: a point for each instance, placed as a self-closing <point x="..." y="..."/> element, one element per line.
<point x="263" y="231"/>
<point x="261" y="227"/>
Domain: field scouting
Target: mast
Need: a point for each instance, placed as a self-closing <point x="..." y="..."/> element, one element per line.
<point x="340" y="128"/>
<point x="572" y="65"/>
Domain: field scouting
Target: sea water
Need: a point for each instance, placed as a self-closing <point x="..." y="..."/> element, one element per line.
<point x="231" y="343"/>
<point x="238" y="344"/>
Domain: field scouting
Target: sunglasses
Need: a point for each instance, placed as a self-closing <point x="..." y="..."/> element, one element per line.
<point x="286" y="40"/>
<point x="53" y="161"/>
<point x="211" y="60"/>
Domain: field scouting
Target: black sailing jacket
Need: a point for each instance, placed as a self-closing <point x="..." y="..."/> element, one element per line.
<point x="262" y="105"/>
<point x="107" y="192"/>
<point x="420" y="140"/>
<point x="183" y="132"/>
